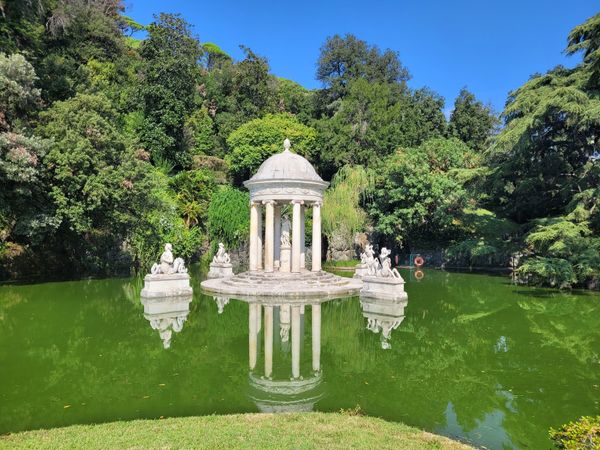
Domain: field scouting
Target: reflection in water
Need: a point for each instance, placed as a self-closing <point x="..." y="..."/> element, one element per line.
<point x="167" y="315"/>
<point x="221" y="303"/>
<point x="291" y="389"/>
<point x="281" y="385"/>
<point x="383" y="316"/>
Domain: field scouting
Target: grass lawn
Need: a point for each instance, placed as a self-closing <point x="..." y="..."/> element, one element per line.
<point x="292" y="431"/>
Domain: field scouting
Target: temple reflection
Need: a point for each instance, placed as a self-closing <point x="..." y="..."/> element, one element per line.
<point x="383" y="316"/>
<point x="295" y="386"/>
<point x="167" y="315"/>
<point x="280" y="379"/>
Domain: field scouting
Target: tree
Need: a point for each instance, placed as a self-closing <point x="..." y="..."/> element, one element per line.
<point x="18" y="94"/>
<point x="258" y="139"/>
<point x="99" y="188"/>
<point x="471" y="121"/>
<point x="168" y="87"/>
<point x="373" y="120"/>
<point x="25" y="215"/>
<point x="295" y="99"/>
<point x="193" y="190"/>
<point x="228" y="218"/>
<point x="347" y="58"/>
<point x="214" y="56"/>
<point x="548" y="141"/>
<point x="416" y="197"/>
<point x="586" y="38"/>
<point x="76" y="33"/>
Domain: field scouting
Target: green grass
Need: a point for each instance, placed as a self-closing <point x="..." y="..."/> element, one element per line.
<point x="297" y="431"/>
<point x="351" y="263"/>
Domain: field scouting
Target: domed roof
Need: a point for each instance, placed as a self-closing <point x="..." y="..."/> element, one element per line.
<point x="286" y="166"/>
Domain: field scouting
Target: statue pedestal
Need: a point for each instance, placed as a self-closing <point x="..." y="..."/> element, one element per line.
<point x="220" y="270"/>
<point x="360" y="271"/>
<point x="388" y="288"/>
<point x="162" y="285"/>
<point x="285" y="260"/>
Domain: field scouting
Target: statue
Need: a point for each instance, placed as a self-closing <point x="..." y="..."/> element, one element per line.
<point x="386" y="269"/>
<point x="157" y="284"/>
<point x="221" y="257"/>
<point x="371" y="261"/>
<point x="381" y="280"/>
<point x="285" y="232"/>
<point x="221" y="266"/>
<point x="167" y="264"/>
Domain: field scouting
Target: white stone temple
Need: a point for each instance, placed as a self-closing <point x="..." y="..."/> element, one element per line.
<point x="284" y="178"/>
<point x="277" y="260"/>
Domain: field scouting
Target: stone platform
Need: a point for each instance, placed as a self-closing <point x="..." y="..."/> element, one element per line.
<point x="305" y="284"/>
<point x="384" y="288"/>
<point x="163" y="285"/>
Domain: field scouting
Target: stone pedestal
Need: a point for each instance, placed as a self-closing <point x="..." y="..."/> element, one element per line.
<point x="360" y="271"/>
<point x="285" y="258"/>
<point x="161" y="285"/>
<point x="383" y="287"/>
<point x="220" y="270"/>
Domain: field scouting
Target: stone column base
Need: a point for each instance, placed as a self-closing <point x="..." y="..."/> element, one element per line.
<point x="285" y="262"/>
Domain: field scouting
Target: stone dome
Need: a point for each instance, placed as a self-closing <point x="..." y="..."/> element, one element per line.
<point x="286" y="166"/>
<point x="286" y="175"/>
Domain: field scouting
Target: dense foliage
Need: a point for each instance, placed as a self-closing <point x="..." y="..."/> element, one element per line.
<point x="580" y="434"/>
<point x="111" y="145"/>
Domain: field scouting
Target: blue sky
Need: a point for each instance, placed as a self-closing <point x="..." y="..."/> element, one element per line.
<point x="491" y="47"/>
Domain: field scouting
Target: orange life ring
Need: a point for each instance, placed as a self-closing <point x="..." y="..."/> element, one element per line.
<point x="419" y="274"/>
<point x="419" y="261"/>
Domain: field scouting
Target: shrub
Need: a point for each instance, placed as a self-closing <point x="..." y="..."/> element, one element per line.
<point x="228" y="216"/>
<point x="581" y="434"/>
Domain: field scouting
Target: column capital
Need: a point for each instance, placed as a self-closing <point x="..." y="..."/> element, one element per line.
<point x="269" y="202"/>
<point x="294" y="202"/>
<point x="255" y="203"/>
<point x="318" y="204"/>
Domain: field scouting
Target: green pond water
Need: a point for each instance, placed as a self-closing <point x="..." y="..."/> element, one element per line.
<point x="474" y="358"/>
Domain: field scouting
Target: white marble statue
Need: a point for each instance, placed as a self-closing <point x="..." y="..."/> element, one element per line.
<point x="386" y="270"/>
<point x="371" y="261"/>
<point x="285" y="232"/>
<point x="221" y="266"/>
<point x="222" y="257"/>
<point x="168" y="265"/>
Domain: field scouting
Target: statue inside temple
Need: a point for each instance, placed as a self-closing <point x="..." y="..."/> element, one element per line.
<point x="285" y="232"/>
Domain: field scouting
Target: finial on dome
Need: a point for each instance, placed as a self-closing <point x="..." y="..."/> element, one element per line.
<point x="286" y="145"/>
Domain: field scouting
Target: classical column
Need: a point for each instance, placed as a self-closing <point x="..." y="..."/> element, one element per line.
<point x="277" y="246"/>
<point x="296" y="231"/>
<point x="303" y="237"/>
<point x="254" y="212"/>
<point x="295" y="342"/>
<point x="258" y="317"/>
<point x="259" y="247"/>
<point x="316" y="337"/>
<point x="316" y="237"/>
<point x="252" y="334"/>
<point x="269" y="234"/>
<point x="268" y="341"/>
